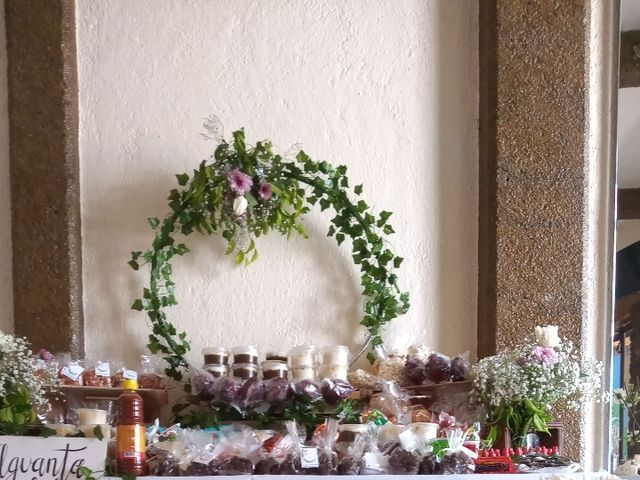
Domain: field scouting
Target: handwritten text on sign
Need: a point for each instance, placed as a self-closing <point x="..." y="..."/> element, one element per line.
<point x="53" y="458"/>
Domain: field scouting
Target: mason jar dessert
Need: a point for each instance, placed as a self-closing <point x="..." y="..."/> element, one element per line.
<point x="215" y="356"/>
<point x="245" y="370"/>
<point x="274" y="369"/>
<point x="245" y="354"/>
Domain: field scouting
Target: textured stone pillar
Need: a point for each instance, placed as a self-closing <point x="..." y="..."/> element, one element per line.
<point x="537" y="108"/>
<point x="43" y="124"/>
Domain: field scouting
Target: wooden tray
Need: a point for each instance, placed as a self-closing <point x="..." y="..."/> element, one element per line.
<point x="76" y="395"/>
<point x="427" y="395"/>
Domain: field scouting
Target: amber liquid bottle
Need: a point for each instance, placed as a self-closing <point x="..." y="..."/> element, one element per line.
<point x="131" y="433"/>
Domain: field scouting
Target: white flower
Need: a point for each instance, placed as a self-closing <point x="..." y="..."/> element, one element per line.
<point x="547" y="336"/>
<point x="621" y="393"/>
<point x="240" y="205"/>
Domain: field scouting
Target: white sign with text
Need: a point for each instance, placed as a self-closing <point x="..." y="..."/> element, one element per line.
<point x="53" y="458"/>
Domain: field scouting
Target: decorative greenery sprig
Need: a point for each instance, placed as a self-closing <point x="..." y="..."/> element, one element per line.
<point x="244" y="193"/>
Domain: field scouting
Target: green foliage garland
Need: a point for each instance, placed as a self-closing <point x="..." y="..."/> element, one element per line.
<point x="244" y="193"/>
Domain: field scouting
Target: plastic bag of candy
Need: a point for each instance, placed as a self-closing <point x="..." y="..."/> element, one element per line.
<point x="278" y="393"/>
<point x="352" y="461"/>
<point x="202" y="384"/>
<point x="325" y="437"/>
<point x="120" y="373"/>
<point x="393" y="402"/>
<point x="307" y="389"/>
<point x="71" y="371"/>
<point x="237" y="451"/>
<point x="250" y="394"/>
<point x="403" y="456"/>
<point x="97" y="374"/>
<point x="373" y="460"/>
<point x="165" y="450"/>
<point x="199" y="459"/>
<point x="415" y="370"/>
<point x="315" y="457"/>
<point x="151" y="373"/>
<point x="225" y="390"/>
<point x="460" y="368"/>
<point x="456" y="459"/>
<point x="269" y="455"/>
<point x="334" y="390"/>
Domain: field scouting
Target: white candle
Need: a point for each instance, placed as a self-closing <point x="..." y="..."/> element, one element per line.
<point x="91" y="416"/>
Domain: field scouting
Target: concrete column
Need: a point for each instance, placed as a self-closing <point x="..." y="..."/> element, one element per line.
<point x="43" y="129"/>
<point x="546" y="177"/>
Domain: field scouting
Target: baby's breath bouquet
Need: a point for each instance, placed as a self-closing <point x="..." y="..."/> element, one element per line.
<point x="21" y="390"/>
<point x="520" y="386"/>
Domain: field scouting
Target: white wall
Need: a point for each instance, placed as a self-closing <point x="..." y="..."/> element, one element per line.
<point x="6" y="287"/>
<point x="387" y="87"/>
<point x="629" y="138"/>
<point x="628" y="231"/>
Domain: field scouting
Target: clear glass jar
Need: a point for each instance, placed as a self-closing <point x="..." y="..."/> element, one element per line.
<point x="245" y="354"/>
<point x="274" y="369"/>
<point x="302" y="372"/>
<point x="276" y="356"/>
<point x="215" y="356"/>
<point x="335" y="355"/>
<point x="245" y="370"/>
<point x="216" y="370"/>
<point x="303" y="356"/>
<point x="338" y="372"/>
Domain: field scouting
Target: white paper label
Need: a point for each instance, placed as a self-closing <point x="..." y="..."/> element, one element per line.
<point x="103" y="370"/>
<point x="408" y="440"/>
<point x="371" y="461"/>
<point x="129" y="374"/>
<point x="309" y="457"/>
<point x="204" y="458"/>
<point x="72" y="371"/>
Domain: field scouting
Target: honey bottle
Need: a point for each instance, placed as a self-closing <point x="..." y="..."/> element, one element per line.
<point x="131" y="448"/>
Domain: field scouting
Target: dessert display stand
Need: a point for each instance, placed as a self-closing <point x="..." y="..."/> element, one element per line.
<point x="497" y="476"/>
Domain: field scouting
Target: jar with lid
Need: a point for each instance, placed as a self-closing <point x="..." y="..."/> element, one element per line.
<point x="274" y="369"/>
<point x="216" y="370"/>
<point x="334" y="371"/>
<point x="335" y="355"/>
<point x="303" y="356"/>
<point x="276" y="356"/>
<point x="302" y="372"/>
<point x="245" y="354"/>
<point x="215" y="356"/>
<point x="245" y="370"/>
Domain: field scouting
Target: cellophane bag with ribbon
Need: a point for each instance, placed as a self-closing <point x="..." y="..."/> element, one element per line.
<point x="456" y="459"/>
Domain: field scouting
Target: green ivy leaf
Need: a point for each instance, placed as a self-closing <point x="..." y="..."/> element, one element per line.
<point x="357" y="189"/>
<point x="153" y="221"/>
<point x="183" y="178"/>
<point x="97" y="431"/>
<point x="137" y="305"/>
<point x="340" y="238"/>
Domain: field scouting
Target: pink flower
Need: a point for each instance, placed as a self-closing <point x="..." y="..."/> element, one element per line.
<point x="239" y="181"/>
<point x="265" y="191"/>
<point x="546" y="355"/>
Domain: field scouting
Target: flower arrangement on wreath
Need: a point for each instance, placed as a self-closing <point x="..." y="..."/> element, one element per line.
<point x="245" y="192"/>
<point x="22" y="395"/>
<point x="520" y="386"/>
